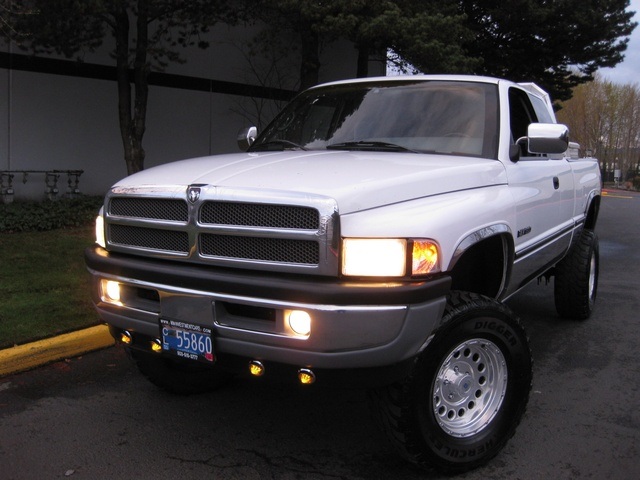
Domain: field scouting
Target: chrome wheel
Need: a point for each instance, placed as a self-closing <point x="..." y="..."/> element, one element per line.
<point x="467" y="391"/>
<point x="593" y="272"/>
<point x="469" y="387"/>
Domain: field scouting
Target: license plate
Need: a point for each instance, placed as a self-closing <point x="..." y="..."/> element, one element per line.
<point x="187" y="340"/>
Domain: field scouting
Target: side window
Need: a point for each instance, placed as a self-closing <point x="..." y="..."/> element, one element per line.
<point x="521" y="113"/>
<point x="541" y="110"/>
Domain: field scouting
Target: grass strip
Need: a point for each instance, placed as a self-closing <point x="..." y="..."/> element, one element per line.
<point x="44" y="284"/>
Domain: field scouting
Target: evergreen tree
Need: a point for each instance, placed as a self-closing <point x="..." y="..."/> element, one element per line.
<point x="556" y="43"/>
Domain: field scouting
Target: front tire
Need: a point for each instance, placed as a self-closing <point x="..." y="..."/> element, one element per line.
<point x="467" y="391"/>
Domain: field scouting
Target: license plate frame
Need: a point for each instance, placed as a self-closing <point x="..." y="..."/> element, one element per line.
<point x="187" y="340"/>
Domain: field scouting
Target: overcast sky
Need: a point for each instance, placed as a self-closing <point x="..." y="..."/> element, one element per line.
<point x="628" y="72"/>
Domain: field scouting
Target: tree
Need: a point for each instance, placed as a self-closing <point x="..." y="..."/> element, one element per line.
<point x="9" y="10"/>
<point x="427" y="32"/>
<point x="558" y="44"/>
<point x="148" y="35"/>
<point x="604" y="118"/>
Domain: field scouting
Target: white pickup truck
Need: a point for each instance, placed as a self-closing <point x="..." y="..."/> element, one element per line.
<point x="370" y="235"/>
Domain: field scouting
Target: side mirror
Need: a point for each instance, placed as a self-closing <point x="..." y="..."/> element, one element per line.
<point x="548" y="138"/>
<point x="246" y="137"/>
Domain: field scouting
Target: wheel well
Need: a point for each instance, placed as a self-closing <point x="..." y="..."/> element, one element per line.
<point x="592" y="213"/>
<point x="483" y="267"/>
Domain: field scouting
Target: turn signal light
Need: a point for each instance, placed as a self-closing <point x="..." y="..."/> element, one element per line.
<point x="424" y="257"/>
<point x="126" y="338"/>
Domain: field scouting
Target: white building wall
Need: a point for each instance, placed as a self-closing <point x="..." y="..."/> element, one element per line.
<point x="61" y="122"/>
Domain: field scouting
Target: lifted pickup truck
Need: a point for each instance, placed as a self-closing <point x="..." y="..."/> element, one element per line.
<point x="372" y="231"/>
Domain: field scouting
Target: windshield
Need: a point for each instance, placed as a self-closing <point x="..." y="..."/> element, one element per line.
<point x="445" y="117"/>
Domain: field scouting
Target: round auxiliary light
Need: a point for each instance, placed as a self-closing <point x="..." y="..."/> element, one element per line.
<point x="126" y="338"/>
<point x="300" y="322"/>
<point x="112" y="290"/>
<point x="256" y="368"/>
<point x="156" y="346"/>
<point x="306" y="376"/>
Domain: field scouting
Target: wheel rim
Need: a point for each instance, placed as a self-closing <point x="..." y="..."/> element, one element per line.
<point x="592" y="278"/>
<point x="469" y="388"/>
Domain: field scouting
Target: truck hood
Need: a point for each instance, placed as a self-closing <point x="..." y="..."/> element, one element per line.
<point x="356" y="180"/>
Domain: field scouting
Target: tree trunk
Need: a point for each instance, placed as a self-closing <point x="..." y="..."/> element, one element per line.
<point x="132" y="111"/>
<point x="310" y="65"/>
<point x="363" y="62"/>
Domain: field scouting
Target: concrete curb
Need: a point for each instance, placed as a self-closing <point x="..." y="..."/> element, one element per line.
<point x="32" y="355"/>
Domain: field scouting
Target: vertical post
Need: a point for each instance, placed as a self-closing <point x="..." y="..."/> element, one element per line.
<point x="6" y="190"/>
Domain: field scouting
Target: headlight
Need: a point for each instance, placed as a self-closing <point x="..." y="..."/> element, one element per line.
<point x="388" y="257"/>
<point x="374" y="257"/>
<point x="100" y="240"/>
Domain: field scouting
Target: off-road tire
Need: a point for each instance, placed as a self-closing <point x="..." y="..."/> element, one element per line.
<point x="174" y="376"/>
<point x="576" y="278"/>
<point x="467" y="391"/>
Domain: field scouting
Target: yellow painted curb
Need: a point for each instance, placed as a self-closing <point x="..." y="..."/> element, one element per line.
<point x="31" y="355"/>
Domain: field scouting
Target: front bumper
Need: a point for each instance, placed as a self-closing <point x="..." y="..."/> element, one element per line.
<point x="354" y="325"/>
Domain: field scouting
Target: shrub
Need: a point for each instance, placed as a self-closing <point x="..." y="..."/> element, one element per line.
<point x="636" y="183"/>
<point x="49" y="215"/>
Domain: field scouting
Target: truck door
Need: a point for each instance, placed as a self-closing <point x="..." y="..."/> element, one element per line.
<point x="543" y="192"/>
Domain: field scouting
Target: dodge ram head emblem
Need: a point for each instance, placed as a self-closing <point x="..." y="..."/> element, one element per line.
<point x="193" y="194"/>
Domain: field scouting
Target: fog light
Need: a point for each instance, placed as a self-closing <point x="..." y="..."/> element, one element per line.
<point x="306" y="376"/>
<point x="156" y="346"/>
<point x="111" y="291"/>
<point x="256" y="368"/>
<point x="299" y="321"/>
<point x="126" y="338"/>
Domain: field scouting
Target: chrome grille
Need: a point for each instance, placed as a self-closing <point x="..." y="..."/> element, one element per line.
<point x="154" y="208"/>
<point x="226" y="227"/>
<point x="151" y="238"/>
<point x="263" y="249"/>
<point x="259" y="215"/>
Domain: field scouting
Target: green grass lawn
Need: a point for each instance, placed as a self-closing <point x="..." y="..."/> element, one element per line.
<point x="44" y="285"/>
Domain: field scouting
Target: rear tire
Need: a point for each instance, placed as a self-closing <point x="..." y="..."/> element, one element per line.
<point x="467" y="391"/>
<point x="576" y="278"/>
<point x="181" y="378"/>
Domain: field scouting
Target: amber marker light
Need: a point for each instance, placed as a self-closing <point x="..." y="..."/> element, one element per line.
<point x="126" y="338"/>
<point x="424" y="257"/>
<point x="256" y="368"/>
<point x="306" y="376"/>
<point x="156" y="346"/>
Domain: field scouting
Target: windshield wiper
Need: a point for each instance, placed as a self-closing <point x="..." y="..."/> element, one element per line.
<point x="369" y="146"/>
<point x="277" y="144"/>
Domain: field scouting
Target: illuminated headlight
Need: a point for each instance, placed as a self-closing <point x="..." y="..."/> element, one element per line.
<point x="388" y="257"/>
<point x="374" y="257"/>
<point x="100" y="239"/>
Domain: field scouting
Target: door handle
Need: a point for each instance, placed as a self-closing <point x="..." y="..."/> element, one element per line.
<point x="556" y="183"/>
